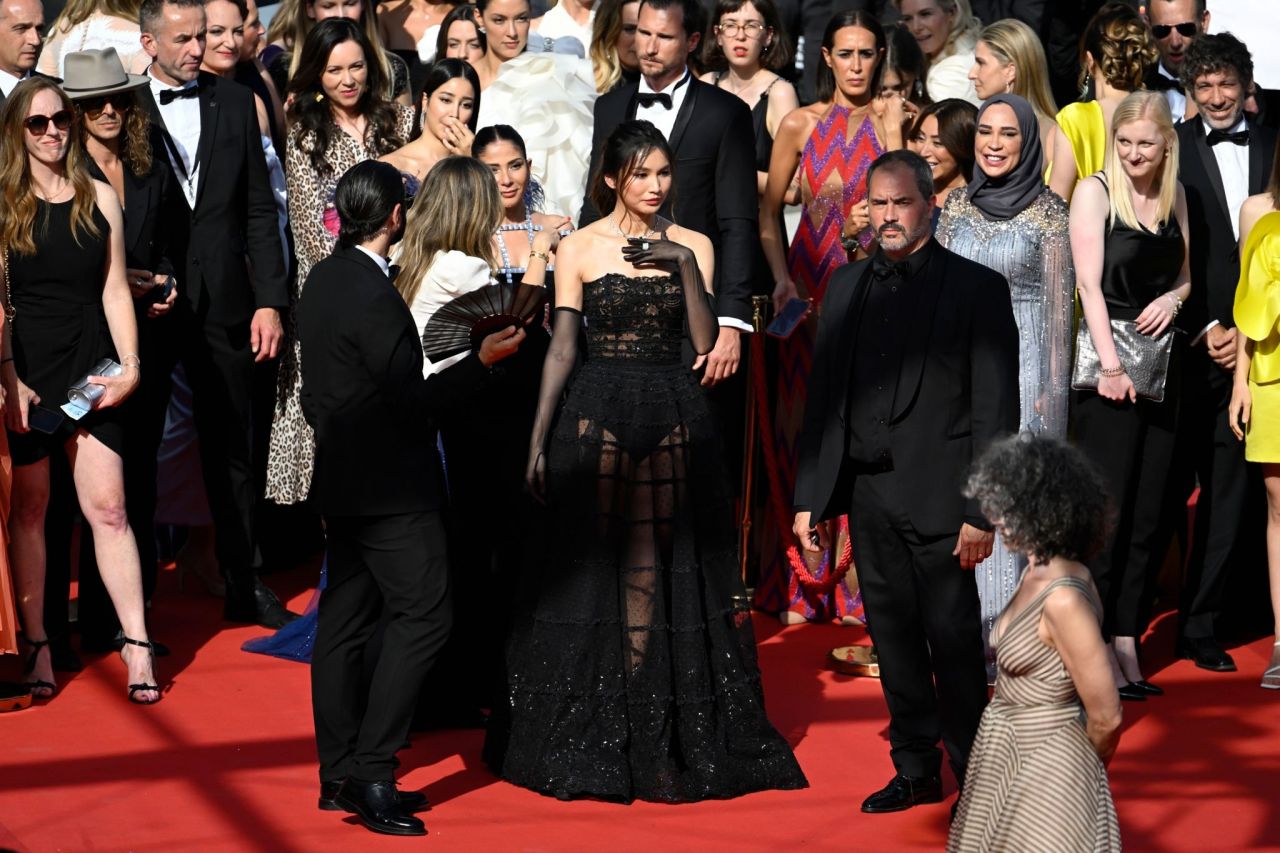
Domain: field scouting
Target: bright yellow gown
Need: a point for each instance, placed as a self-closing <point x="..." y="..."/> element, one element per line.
<point x="1257" y="310"/>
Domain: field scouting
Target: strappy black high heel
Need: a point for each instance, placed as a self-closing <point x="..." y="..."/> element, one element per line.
<point x="30" y="666"/>
<point x="134" y="688"/>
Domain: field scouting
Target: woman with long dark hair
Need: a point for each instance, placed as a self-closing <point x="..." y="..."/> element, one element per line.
<point x="337" y="118"/>
<point x="450" y="102"/>
<point x="943" y="135"/>
<point x="67" y="307"/>
<point x="632" y="669"/>
<point x="831" y="143"/>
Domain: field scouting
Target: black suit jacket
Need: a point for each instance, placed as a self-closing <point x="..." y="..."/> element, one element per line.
<point x="4" y="98"/>
<point x="234" y="217"/>
<point x="957" y="390"/>
<point x="364" y="394"/>
<point x="715" y="180"/>
<point x="1215" y="257"/>
<point x="146" y="224"/>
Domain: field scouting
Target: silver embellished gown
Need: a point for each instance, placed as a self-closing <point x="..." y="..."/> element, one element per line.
<point x="1033" y="252"/>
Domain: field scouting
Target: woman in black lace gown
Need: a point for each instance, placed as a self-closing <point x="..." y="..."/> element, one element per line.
<point x="632" y="665"/>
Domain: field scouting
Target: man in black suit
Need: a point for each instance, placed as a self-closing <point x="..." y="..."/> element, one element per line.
<point x="710" y="132"/>
<point x="21" y="38"/>
<point x="1224" y="159"/>
<point x="379" y="485"/>
<point x="231" y="278"/>
<point x="915" y="371"/>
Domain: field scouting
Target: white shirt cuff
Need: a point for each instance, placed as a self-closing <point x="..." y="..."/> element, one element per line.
<point x="1198" y="338"/>
<point x="735" y="323"/>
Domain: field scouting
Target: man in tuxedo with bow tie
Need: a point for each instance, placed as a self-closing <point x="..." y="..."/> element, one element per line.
<point x="22" y="31"/>
<point x="1224" y="159"/>
<point x="1175" y="24"/>
<point x="915" y="372"/>
<point x="231" y="279"/>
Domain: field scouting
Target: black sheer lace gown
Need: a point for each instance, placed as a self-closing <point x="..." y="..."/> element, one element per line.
<point x="632" y="668"/>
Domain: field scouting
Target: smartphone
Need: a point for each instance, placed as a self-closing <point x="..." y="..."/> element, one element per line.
<point x="788" y="319"/>
<point x="44" y="420"/>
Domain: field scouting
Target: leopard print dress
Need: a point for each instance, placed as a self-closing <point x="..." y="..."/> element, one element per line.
<point x="291" y="453"/>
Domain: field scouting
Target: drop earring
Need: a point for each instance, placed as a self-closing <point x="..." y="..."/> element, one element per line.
<point x="1084" y="86"/>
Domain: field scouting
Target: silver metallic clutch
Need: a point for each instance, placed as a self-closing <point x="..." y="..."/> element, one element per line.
<point x="1145" y="359"/>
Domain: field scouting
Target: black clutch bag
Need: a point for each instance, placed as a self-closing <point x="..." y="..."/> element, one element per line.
<point x="1145" y="358"/>
<point x="463" y="323"/>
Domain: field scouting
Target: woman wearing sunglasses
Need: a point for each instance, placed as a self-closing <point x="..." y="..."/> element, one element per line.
<point x="68" y="306"/>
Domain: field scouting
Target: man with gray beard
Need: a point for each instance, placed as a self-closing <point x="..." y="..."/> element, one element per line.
<point x="915" y="372"/>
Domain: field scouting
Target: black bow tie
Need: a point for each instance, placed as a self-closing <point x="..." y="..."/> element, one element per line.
<point x="168" y="95"/>
<point x="648" y="99"/>
<point x="1240" y="137"/>
<point x="883" y="269"/>
<point x="392" y="271"/>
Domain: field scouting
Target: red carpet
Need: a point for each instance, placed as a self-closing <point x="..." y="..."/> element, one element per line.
<point x="226" y="762"/>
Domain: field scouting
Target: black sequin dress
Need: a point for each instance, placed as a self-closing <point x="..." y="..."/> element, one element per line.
<point x="632" y="668"/>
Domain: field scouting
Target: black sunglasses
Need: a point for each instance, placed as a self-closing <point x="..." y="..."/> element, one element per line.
<point x="93" y="107"/>
<point x="1186" y="29"/>
<point x="39" y="125"/>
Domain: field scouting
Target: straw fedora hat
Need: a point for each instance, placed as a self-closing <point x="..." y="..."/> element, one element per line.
<point x="90" y="73"/>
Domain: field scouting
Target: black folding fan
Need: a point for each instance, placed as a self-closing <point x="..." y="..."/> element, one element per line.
<point x="463" y="323"/>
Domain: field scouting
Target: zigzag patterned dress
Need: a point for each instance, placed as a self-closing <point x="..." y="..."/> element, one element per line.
<point x="833" y="172"/>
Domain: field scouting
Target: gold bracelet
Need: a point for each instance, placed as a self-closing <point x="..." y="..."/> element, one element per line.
<point x="1111" y="371"/>
<point x="534" y="253"/>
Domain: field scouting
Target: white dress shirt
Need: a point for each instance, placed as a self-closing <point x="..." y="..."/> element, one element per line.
<point x="182" y="120"/>
<point x="8" y="82"/>
<point x="382" y="262"/>
<point x="1233" y="165"/>
<point x="1176" y="100"/>
<point x="665" y="120"/>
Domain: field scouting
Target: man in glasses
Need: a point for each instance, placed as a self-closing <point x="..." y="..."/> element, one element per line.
<point x="21" y="37"/>
<point x="1175" y="24"/>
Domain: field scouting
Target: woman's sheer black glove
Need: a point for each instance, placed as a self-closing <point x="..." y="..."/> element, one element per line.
<point x="669" y="255"/>
<point x="559" y="364"/>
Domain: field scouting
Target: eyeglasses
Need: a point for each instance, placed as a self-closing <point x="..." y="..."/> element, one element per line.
<point x="1186" y="29"/>
<point x="93" y="107"/>
<point x="39" y="125"/>
<point x="752" y="29"/>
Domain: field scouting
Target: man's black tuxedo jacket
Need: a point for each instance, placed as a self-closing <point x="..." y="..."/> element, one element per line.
<point x="715" y="180"/>
<point x="146" y="221"/>
<point x="364" y="395"/>
<point x="1215" y="257"/>
<point x="957" y="390"/>
<point x="234" y="215"/>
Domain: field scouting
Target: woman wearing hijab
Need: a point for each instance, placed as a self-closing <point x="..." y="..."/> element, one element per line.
<point x="1010" y="221"/>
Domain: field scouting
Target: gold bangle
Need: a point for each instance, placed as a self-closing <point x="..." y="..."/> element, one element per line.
<point x="534" y="253"/>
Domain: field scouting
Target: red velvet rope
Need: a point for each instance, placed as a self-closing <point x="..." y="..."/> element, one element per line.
<point x="776" y="499"/>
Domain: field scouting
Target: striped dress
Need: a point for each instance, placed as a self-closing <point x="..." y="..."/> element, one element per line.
<point x="1034" y="781"/>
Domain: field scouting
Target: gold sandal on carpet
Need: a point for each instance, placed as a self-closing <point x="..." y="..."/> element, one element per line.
<point x="35" y="685"/>
<point x="134" y="689"/>
<point x="1271" y="678"/>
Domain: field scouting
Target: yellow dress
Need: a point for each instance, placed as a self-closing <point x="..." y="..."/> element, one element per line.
<point x="1257" y="310"/>
<point x="1085" y="128"/>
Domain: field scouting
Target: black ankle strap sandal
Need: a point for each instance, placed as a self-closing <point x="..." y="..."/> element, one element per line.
<point x="135" y="688"/>
<point x="30" y="665"/>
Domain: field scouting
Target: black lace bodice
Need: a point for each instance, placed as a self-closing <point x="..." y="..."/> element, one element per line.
<point x="640" y="318"/>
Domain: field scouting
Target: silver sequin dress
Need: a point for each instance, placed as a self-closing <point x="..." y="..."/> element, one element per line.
<point x="1033" y="252"/>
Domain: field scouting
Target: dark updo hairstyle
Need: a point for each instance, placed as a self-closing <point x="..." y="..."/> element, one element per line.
<point x="773" y="57"/>
<point x="625" y="149"/>
<point x="534" y="196"/>
<point x="310" y="110"/>
<point x="957" y="126"/>
<point x="825" y="84"/>
<point x="1047" y="499"/>
<point x="444" y="70"/>
<point x="365" y="196"/>
<point x="466" y="12"/>
<point x="1120" y="42"/>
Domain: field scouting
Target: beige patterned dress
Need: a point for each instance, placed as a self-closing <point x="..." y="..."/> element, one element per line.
<point x="1035" y="782"/>
<point x="291" y="453"/>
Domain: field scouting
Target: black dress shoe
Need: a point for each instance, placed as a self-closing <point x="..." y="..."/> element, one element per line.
<point x="378" y="804"/>
<point x="410" y="801"/>
<point x="256" y="606"/>
<point x="1132" y="693"/>
<point x="902" y="793"/>
<point x="1147" y="687"/>
<point x="1207" y="654"/>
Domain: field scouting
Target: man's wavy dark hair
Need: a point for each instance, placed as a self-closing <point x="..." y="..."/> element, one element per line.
<point x="1217" y="52"/>
<point x="1044" y="496"/>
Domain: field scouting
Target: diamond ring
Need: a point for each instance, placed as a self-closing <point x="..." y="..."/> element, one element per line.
<point x="644" y="247"/>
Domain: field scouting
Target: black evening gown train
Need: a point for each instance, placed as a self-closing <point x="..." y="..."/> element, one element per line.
<point x="631" y="665"/>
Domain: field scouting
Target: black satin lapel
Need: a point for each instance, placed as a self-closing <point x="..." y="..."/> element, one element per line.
<point x="633" y="104"/>
<point x="208" y="130"/>
<point x="685" y="114"/>
<point x="1259" y="155"/>
<point x="916" y="347"/>
<point x="849" y="336"/>
<point x="1210" y="164"/>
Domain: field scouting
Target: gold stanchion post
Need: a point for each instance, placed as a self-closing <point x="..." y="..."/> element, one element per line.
<point x="759" y="309"/>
